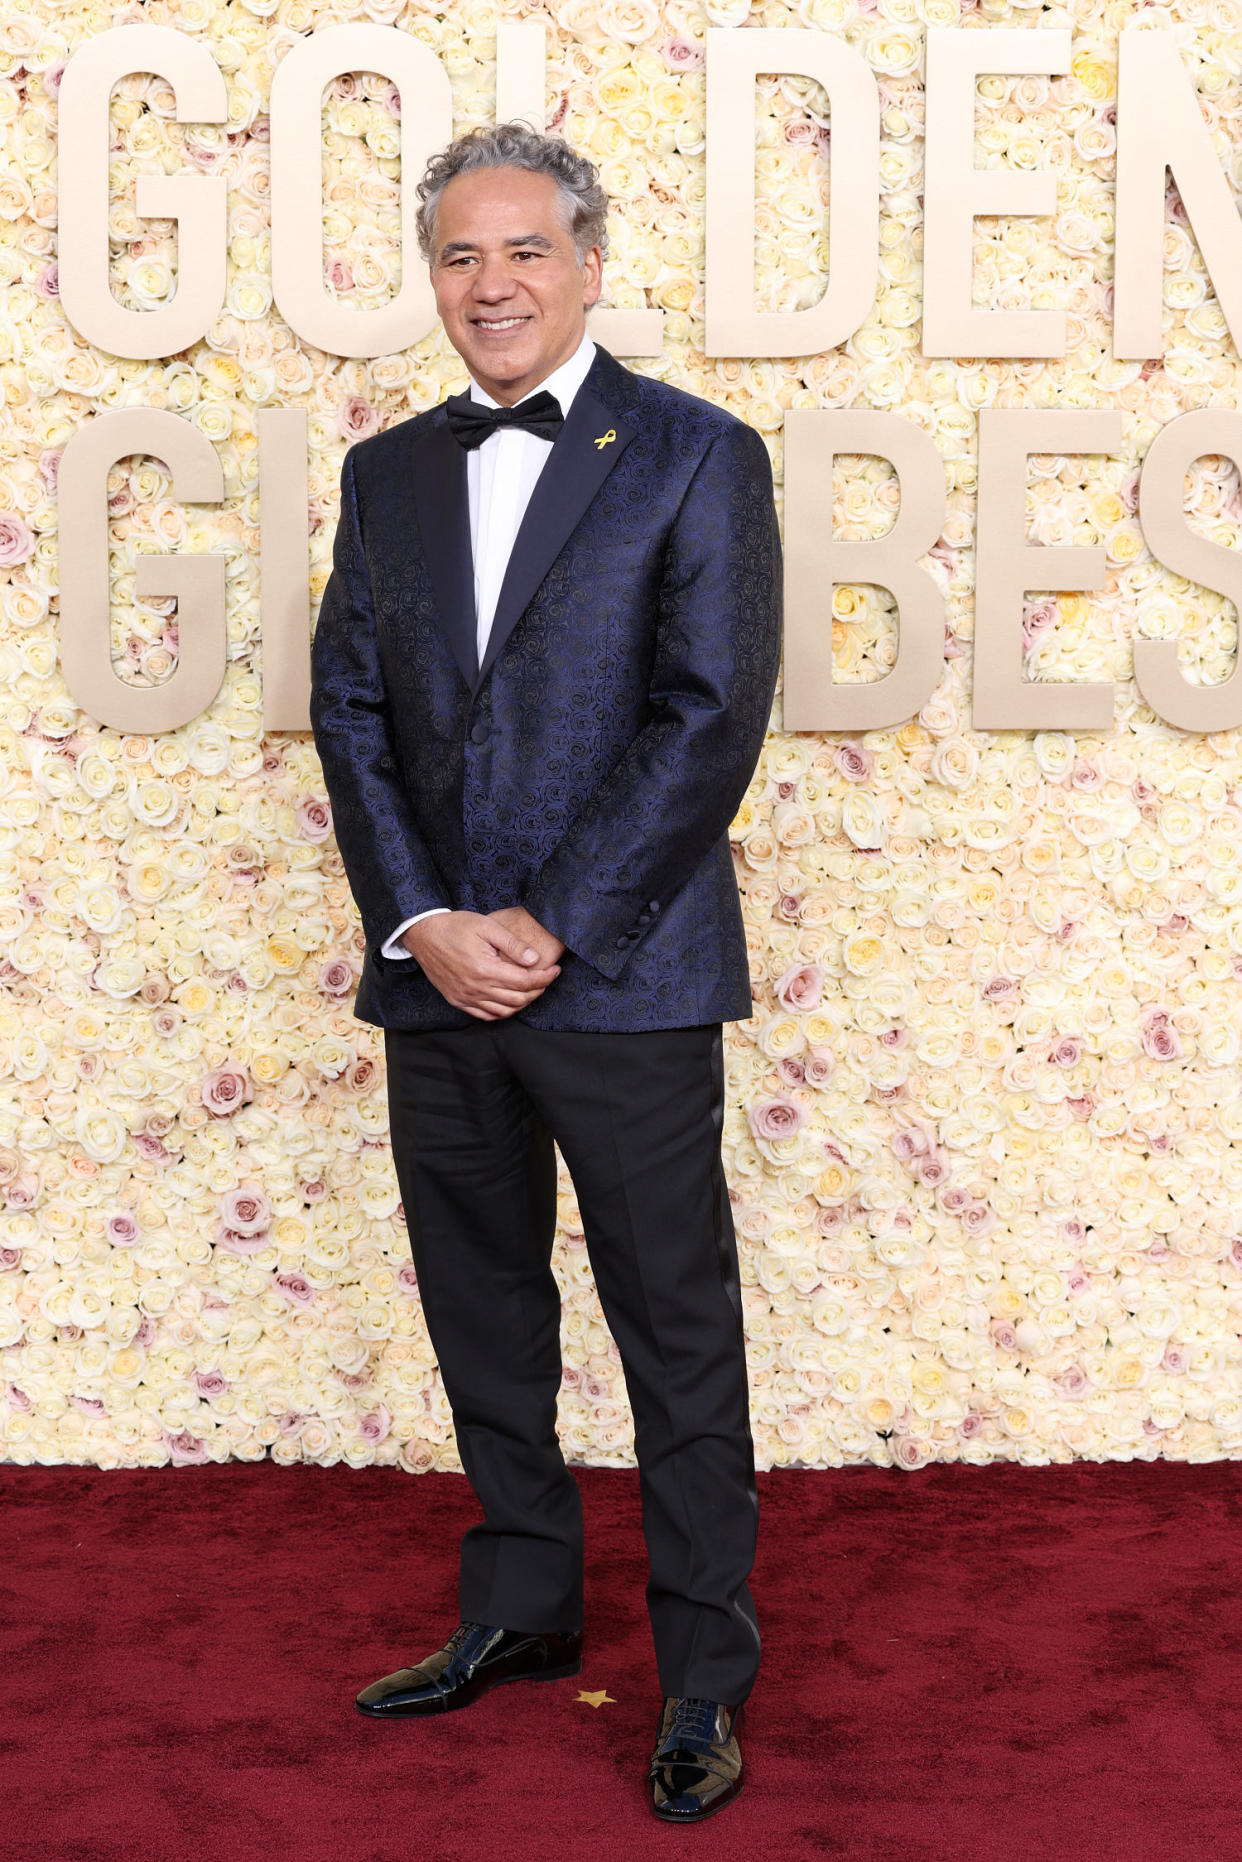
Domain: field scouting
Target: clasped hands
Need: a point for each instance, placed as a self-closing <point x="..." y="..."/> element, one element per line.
<point x="488" y="963"/>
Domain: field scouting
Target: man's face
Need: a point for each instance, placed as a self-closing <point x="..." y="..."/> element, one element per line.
<point x="509" y="289"/>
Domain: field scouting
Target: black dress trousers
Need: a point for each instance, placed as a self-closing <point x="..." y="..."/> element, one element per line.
<point x="638" y="1116"/>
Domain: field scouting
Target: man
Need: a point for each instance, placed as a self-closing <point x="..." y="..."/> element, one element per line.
<point x="541" y="677"/>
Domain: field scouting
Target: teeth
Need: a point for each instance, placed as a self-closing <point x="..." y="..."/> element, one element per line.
<point x="503" y="323"/>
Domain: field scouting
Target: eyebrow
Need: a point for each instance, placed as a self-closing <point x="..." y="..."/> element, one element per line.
<point x="469" y="245"/>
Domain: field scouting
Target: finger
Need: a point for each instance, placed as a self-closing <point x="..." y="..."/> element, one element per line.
<point x="503" y="972"/>
<point x="507" y="944"/>
<point x="511" y="1008"/>
<point x="509" y="999"/>
<point x="500" y="970"/>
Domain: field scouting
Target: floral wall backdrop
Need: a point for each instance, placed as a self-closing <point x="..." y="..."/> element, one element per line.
<point x="984" y="1131"/>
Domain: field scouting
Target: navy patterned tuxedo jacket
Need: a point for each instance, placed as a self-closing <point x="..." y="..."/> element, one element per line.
<point x="590" y="767"/>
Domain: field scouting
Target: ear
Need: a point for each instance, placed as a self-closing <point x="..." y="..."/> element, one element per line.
<point x="592" y="276"/>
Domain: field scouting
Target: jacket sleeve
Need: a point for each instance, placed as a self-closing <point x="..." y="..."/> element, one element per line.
<point x="680" y="782"/>
<point x="390" y="871"/>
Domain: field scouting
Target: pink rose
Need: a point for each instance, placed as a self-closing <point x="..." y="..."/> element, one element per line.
<point x="145" y="1332"/>
<point x="356" y="418"/>
<point x="224" y="1090"/>
<point x="18" y="1400"/>
<point x="90" y="1406"/>
<point x="819" y="1065"/>
<point x="910" y="1142"/>
<point x="853" y="761"/>
<point x="185" y="1450"/>
<point x="375" y="1425"/>
<point x="339" y="274"/>
<point x="1066" y="1051"/>
<point x="776" y="1118"/>
<point x="47" y="284"/>
<point x="244" y="1217"/>
<point x="407" y="1278"/>
<point x="297" y="1289"/>
<point x="122" y="1229"/>
<point x="1160" y="1041"/>
<point x="1038" y="618"/>
<point x="932" y="1168"/>
<point x="336" y="977"/>
<point x="998" y="987"/>
<point x="1003" y="1333"/>
<point x="681" y="54"/>
<point x="246" y="1209"/>
<point x="9" y="1258"/>
<point x="314" y="815"/>
<point x="209" y="1384"/>
<point x="1072" y="1381"/>
<point x="23" y="1191"/>
<point x="801" y="986"/>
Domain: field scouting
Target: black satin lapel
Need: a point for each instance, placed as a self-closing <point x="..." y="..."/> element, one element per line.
<point x="442" y="500"/>
<point x="584" y="453"/>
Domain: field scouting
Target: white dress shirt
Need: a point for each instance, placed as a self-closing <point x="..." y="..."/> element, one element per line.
<point x="500" y="476"/>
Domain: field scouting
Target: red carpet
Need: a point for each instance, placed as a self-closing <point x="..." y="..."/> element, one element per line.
<point x="960" y="1665"/>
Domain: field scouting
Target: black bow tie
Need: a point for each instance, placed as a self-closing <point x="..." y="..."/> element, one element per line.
<point x="472" y="422"/>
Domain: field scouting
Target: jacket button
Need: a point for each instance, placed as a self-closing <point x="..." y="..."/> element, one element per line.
<point x="478" y="732"/>
<point x="653" y="905"/>
<point x="622" y="942"/>
<point x="644" y="918"/>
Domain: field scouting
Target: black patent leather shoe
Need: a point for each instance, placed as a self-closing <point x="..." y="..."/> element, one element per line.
<point x="696" y="1768"/>
<point x="476" y="1657"/>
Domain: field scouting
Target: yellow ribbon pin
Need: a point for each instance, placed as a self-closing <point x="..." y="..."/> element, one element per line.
<point x="604" y="438"/>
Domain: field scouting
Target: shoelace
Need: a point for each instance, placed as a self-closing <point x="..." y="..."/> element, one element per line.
<point x="462" y="1636"/>
<point x="693" y="1725"/>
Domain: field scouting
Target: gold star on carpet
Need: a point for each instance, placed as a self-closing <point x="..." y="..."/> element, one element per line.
<point x="597" y="1699"/>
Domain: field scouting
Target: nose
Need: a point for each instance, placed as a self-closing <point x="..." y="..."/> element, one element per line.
<point x="493" y="279"/>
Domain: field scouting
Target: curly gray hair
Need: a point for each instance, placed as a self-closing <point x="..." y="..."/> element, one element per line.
<point x="516" y="145"/>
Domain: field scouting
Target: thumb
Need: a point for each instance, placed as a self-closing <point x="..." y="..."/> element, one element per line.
<point x="510" y="945"/>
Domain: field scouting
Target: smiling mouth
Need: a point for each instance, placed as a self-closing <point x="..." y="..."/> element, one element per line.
<point x="499" y="323"/>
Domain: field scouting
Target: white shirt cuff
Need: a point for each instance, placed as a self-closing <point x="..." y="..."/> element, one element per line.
<point x="393" y="947"/>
